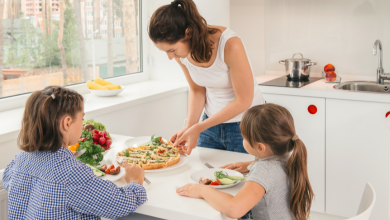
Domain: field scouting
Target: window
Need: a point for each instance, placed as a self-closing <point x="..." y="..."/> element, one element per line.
<point x="34" y="60"/>
<point x="117" y="24"/>
<point x="103" y="3"/>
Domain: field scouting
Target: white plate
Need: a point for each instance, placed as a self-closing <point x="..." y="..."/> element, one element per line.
<point x="137" y="141"/>
<point x="209" y="173"/>
<point x="106" y="93"/>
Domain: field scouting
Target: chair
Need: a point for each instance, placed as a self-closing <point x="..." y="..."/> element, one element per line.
<point x="366" y="204"/>
<point x="365" y="208"/>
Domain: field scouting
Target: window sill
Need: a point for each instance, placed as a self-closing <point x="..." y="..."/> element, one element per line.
<point x="133" y="94"/>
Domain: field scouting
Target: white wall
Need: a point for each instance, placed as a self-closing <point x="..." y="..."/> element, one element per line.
<point x="216" y="12"/>
<point x="247" y="20"/>
<point x="341" y="32"/>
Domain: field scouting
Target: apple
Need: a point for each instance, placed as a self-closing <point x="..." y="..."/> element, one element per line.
<point x="330" y="76"/>
<point x="329" y="68"/>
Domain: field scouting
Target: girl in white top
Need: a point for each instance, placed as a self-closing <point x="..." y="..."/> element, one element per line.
<point x="216" y="66"/>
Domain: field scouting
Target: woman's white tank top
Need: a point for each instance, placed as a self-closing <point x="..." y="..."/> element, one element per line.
<point x="216" y="80"/>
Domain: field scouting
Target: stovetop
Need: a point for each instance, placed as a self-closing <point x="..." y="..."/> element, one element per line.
<point x="283" y="81"/>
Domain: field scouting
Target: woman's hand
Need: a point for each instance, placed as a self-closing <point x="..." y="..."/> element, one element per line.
<point x="241" y="167"/>
<point x="188" y="140"/>
<point x="178" y="135"/>
<point x="133" y="173"/>
<point x="191" y="190"/>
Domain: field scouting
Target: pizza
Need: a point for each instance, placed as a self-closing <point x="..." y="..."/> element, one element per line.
<point x="152" y="156"/>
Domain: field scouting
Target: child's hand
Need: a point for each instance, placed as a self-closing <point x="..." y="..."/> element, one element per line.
<point x="241" y="167"/>
<point x="191" y="190"/>
<point x="133" y="173"/>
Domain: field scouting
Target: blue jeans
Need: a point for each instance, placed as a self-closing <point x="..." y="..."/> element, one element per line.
<point x="226" y="136"/>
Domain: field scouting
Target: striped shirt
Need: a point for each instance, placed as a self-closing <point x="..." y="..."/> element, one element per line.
<point x="47" y="185"/>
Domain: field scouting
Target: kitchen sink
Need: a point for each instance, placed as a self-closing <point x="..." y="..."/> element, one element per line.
<point x="364" y="86"/>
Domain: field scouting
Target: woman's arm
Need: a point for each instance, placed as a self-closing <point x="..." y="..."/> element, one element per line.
<point x="242" y="81"/>
<point x="232" y="206"/>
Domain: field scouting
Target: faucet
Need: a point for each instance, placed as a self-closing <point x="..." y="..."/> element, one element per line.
<point x="380" y="75"/>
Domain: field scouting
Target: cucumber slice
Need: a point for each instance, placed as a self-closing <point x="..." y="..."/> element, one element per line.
<point x="236" y="177"/>
<point x="226" y="181"/>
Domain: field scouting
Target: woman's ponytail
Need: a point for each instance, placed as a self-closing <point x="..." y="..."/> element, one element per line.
<point x="301" y="191"/>
<point x="181" y="20"/>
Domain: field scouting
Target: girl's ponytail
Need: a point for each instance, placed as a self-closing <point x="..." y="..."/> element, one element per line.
<point x="181" y="20"/>
<point x="301" y="191"/>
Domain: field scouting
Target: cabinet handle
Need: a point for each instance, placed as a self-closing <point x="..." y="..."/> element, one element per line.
<point x="387" y="114"/>
<point x="312" y="109"/>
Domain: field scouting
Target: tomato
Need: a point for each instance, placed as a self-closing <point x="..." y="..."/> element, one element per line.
<point x="216" y="183"/>
<point x="161" y="140"/>
<point x="161" y="151"/>
<point x="111" y="167"/>
<point x="107" y="171"/>
<point x="83" y="139"/>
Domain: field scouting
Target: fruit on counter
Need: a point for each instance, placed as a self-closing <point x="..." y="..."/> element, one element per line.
<point x="330" y="76"/>
<point x="74" y="147"/>
<point x="329" y="67"/>
<point x="101" y="84"/>
<point x="113" y="87"/>
<point x="95" y="86"/>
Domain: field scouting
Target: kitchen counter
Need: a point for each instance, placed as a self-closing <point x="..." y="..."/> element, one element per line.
<point x="163" y="202"/>
<point x="133" y="94"/>
<point x="320" y="89"/>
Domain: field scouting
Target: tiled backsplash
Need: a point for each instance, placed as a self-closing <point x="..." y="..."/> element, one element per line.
<point x="341" y="32"/>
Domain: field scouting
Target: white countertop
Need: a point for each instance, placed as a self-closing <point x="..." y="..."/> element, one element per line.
<point x="163" y="202"/>
<point x="321" y="89"/>
<point x="133" y="94"/>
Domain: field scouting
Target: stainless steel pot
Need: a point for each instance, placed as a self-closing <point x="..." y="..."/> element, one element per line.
<point x="297" y="69"/>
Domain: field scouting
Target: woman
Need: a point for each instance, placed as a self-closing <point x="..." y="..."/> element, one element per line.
<point x="214" y="61"/>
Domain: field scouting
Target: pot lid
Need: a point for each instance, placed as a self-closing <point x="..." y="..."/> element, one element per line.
<point x="297" y="58"/>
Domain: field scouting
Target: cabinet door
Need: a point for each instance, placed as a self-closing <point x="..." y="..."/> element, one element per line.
<point x="357" y="152"/>
<point x="311" y="130"/>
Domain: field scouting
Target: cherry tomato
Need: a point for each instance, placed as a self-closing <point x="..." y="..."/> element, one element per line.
<point x="111" y="167"/>
<point x="216" y="183"/>
<point x="161" y="140"/>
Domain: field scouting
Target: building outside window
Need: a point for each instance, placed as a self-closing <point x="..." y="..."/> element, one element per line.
<point x="32" y="59"/>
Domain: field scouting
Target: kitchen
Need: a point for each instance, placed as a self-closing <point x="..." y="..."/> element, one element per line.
<point x="346" y="132"/>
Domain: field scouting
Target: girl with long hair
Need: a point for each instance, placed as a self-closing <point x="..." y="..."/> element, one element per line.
<point x="278" y="185"/>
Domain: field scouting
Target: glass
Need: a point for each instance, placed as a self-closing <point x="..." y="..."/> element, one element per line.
<point x="51" y="42"/>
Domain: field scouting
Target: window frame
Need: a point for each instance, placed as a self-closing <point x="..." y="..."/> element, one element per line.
<point x="18" y="101"/>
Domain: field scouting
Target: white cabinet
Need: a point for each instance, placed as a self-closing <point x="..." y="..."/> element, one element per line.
<point x="311" y="130"/>
<point x="357" y="152"/>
